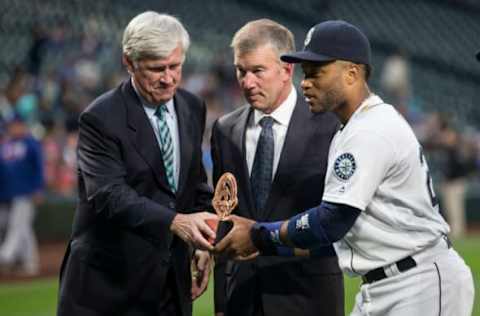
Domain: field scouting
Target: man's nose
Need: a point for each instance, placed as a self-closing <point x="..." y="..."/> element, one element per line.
<point x="305" y="84"/>
<point x="167" y="76"/>
<point x="249" y="81"/>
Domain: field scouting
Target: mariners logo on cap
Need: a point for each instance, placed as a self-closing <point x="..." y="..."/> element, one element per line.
<point x="344" y="166"/>
<point x="308" y="38"/>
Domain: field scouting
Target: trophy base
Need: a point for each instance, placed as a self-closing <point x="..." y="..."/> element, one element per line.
<point x="222" y="228"/>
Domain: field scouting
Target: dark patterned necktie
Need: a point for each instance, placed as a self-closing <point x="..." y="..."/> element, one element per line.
<point x="261" y="177"/>
<point x="166" y="146"/>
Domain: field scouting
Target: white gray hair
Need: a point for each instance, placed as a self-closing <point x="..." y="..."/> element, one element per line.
<point x="153" y="35"/>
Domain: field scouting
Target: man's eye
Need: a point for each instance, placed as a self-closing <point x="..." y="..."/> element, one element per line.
<point x="312" y="75"/>
<point x="157" y="69"/>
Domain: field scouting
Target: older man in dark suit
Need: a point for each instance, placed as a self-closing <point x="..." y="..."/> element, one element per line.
<point x="277" y="149"/>
<point x="140" y="179"/>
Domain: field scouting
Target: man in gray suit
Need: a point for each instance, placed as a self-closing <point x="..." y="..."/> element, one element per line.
<point x="277" y="149"/>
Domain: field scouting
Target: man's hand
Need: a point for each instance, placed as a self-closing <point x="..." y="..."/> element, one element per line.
<point x="237" y="244"/>
<point x="201" y="264"/>
<point x="193" y="229"/>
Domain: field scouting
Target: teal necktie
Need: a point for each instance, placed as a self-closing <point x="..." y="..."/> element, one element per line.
<point x="166" y="145"/>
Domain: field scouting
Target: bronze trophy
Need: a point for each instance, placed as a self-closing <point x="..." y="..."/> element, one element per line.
<point x="224" y="202"/>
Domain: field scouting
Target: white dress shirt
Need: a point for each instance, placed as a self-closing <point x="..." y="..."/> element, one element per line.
<point x="172" y="123"/>
<point x="281" y="118"/>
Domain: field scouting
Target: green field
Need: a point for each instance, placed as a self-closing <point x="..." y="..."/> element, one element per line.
<point x="38" y="298"/>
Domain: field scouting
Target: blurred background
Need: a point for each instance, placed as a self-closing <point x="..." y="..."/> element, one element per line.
<point x="57" y="56"/>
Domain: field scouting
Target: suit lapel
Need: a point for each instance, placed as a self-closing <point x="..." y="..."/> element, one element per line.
<point x="238" y="136"/>
<point x="142" y="134"/>
<point x="185" y="139"/>
<point x="292" y="151"/>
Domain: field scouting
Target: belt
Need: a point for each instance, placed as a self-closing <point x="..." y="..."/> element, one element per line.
<point x="379" y="273"/>
<point x="402" y="266"/>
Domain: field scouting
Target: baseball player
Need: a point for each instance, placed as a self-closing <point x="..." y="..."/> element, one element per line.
<point x="379" y="208"/>
<point x="21" y="159"/>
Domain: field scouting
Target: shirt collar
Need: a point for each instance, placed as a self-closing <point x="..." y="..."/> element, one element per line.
<point x="150" y="109"/>
<point x="283" y="113"/>
<point x="371" y="101"/>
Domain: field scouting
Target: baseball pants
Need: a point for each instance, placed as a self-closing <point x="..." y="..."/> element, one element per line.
<point x="20" y="242"/>
<point x="440" y="285"/>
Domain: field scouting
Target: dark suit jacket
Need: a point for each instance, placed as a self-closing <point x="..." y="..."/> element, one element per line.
<point x="122" y="256"/>
<point x="280" y="286"/>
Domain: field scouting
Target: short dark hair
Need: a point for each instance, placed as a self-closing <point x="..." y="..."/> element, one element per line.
<point x="367" y="70"/>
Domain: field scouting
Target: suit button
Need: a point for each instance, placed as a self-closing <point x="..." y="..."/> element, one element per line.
<point x="171" y="205"/>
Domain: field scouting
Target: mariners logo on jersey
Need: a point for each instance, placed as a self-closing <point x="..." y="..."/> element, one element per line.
<point x="344" y="166"/>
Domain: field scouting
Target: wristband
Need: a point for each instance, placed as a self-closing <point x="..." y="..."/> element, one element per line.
<point x="266" y="236"/>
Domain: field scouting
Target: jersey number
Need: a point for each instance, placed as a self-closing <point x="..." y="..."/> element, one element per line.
<point x="431" y="193"/>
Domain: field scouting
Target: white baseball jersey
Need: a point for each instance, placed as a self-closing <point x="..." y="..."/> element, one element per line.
<point x="376" y="164"/>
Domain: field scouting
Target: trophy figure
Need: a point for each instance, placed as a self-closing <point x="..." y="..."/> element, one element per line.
<point x="224" y="202"/>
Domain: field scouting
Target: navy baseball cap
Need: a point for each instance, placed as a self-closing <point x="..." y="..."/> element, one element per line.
<point x="332" y="40"/>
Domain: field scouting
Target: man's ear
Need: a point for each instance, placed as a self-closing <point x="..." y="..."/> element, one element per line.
<point x="127" y="63"/>
<point x="289" y="68"/>
<point x="353" y="73"/>
<point x="287" y="71"/>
